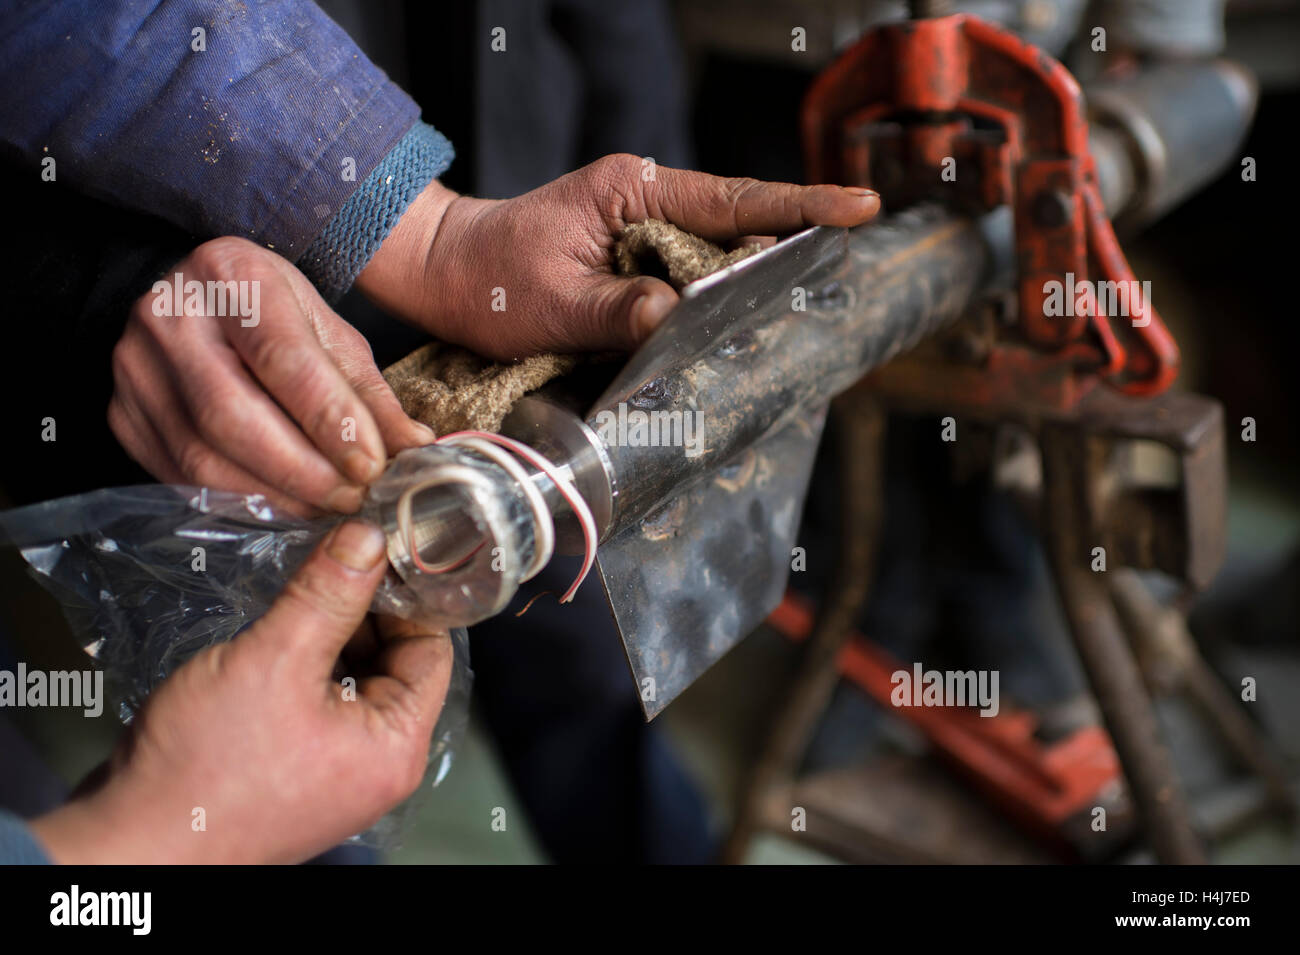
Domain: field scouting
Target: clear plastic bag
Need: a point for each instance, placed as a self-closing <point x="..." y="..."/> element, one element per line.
<point x="149" y="576"/>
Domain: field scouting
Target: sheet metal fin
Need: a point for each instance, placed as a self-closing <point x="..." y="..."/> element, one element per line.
<point x="688" y="582"/>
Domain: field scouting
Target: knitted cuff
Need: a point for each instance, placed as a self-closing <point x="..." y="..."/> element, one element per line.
<point x="336" y="256"/>
<point x="17" y="844"/>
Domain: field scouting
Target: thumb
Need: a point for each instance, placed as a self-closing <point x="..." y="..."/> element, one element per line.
<point x="621" y="313"/>
<point x="326" y="600"/>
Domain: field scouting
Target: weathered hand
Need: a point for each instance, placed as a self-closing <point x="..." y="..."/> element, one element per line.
<point x="258" y="735"/>
<point x="286" y="402"/>
<point x="453" y="262"/>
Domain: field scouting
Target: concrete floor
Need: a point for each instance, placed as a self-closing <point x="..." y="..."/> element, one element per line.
<point x="454" y="822"/>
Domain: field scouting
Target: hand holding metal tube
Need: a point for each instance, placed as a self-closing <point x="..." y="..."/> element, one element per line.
<point x="448" y="262"/>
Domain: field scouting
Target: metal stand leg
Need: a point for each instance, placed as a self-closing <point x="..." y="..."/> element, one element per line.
<point x="860" y="427"/>
<point x="1107" y="658"/>
<point x="1172" y="662"/>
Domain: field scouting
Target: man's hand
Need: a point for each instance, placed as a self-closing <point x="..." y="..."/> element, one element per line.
<point x="510" y="278"/>
<point x="288" y="403"/>
<point x="258" y="735"/>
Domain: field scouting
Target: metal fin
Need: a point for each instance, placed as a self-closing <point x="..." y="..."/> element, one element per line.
<point x="689" y="581"/>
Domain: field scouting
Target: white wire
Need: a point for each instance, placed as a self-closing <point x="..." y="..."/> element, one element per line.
<point x="563" y="484"/>
<point x="543" y="522"/>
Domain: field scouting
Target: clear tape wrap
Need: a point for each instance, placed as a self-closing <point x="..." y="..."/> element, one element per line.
<point x="122" y="563"/>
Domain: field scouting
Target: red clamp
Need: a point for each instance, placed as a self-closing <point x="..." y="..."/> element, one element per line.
<point x="914" y="106"/>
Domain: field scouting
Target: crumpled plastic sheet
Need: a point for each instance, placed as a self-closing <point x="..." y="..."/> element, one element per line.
<point x="122" y="564"/>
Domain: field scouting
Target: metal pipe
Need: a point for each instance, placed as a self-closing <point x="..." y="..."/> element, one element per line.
<point x="783" y="333"/>
<point x="1179" y="125"/>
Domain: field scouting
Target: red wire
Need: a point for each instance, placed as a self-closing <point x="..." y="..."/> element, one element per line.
<point x="580" y="509"/>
